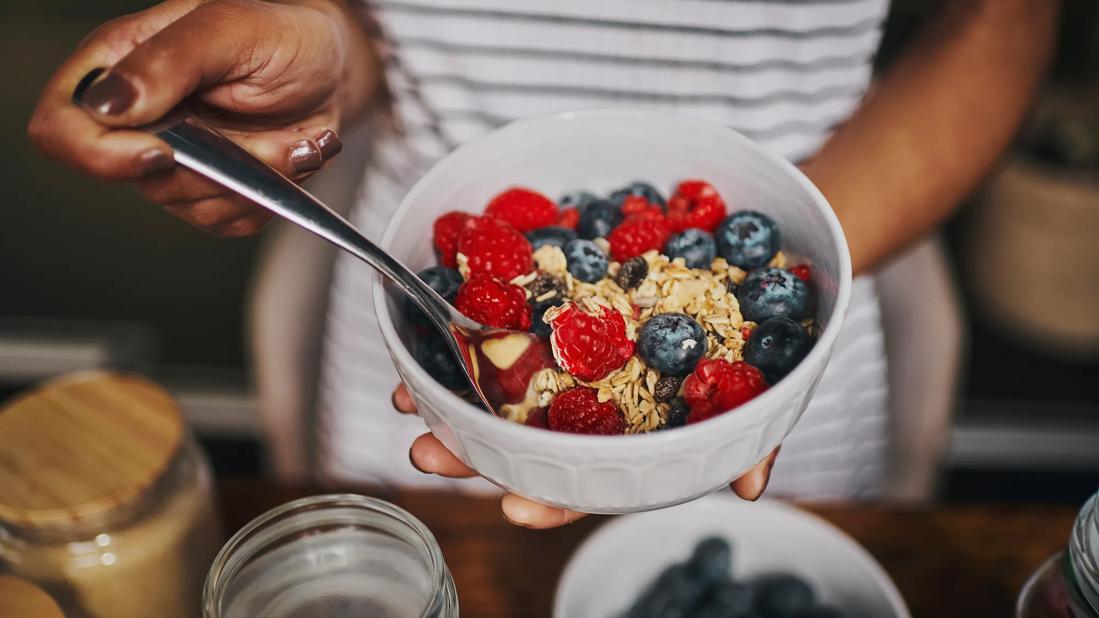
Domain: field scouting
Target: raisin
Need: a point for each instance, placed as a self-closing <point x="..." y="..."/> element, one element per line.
<point x="544" y="283"/>
<point x="667" y="387"/>
<point x="632" y="273"/>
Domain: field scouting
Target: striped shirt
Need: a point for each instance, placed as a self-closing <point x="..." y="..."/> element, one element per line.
<point x="783" y="72"/>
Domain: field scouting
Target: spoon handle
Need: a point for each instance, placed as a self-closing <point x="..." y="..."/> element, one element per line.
<point x="207" y="152"/>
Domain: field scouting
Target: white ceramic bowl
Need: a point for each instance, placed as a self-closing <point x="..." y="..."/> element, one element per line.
<point x="601" y="150"/>
<point x="612" y="567"/>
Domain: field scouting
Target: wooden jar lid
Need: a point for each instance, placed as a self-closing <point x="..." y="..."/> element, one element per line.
<point x="21" y="599"/>
<point x="81" y="445"/>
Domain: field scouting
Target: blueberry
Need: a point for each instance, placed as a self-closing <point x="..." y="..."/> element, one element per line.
<point x="820" y="611"/>
<point x="747" y="239"/>
<point x="695" y="246"/>
<point x="782" y="595"/>
<point x="712" y="560"/>
<point x="552" y="235"/>
<point x="443" y="280"/>
<point x="537" y="326"/>
<point x="434" y="355"/>
<point x="677" y="414"/>
<point x="770" y="292"/>
<point x="727" y="600"/>
<point x="776" y="347"/>
<point x="672" y="595"/>
<point x="643" y="189"/>
<point x="586" y="261"/>
<point x="671" y="343"/>
<point x="597" y="219"/>
<point x="576" y="199"/>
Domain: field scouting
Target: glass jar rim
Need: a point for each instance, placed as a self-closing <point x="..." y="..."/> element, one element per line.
<point x="236" y="553"/>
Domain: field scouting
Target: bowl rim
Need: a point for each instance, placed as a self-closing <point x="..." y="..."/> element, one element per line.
<point x="758" y="406"/>
<point x="881" y="577"/>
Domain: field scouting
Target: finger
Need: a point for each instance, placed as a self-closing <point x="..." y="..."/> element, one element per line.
<point x="249" y="225"/>
<point x="428" y="455"/>
<point x="529" y="514"/>
<point x="161" y="71"/>
<point x="753" y="483"/>
<point x="68" y="134"/>
<point x="402" y="401"/>
<point x="63" y="131"/>
<point x="214" y="212"/>
<point x="296" y="154"/>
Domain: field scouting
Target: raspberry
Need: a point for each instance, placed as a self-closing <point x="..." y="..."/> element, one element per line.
<point x="568" y="218"/>
<point x="538" y="417"/>
<point x="635" y="206"/>
<point x="493" y="247"/>
<point x="802" y="271"/>
<point x="636" y="236"/>
<point x="717" y="386"/>
<point x="446" y="231"/>
<point x="578" y="410"/>
<point x="695" y="203"/>
<point x="493" y="302"/>
<point x="524" y="209"/>
<point x="590" y="346"/>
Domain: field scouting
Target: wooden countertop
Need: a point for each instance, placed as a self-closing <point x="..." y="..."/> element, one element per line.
<point x="958" y="560"/>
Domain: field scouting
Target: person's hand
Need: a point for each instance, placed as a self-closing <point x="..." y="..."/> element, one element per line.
<point x="429" y="456"/>
<point x="277" y="77"/>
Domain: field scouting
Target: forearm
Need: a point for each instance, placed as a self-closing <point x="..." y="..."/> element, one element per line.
<point x="936" y="123"/>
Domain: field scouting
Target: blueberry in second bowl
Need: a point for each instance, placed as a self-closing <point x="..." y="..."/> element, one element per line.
<point x="747" y="239"/>
<point x="776" y="347"/>
<point x="712" y="559"/>
<point x="586" y="261"/>
<point x="695" y="246"/>
<point x="671" y="343"/>
<point x="770" y="292"/>
<point x="783" y="595"/>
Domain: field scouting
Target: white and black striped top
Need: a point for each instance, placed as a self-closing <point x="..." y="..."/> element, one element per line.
<point x="784" y="72"/>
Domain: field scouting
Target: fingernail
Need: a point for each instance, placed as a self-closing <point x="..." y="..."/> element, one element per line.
<point x="109" y="95"/>
<point x="304" y="157"/>
<point x="155" y="161"/>
<point x="82" y="85"/>
<point x="393" y="401"/>
<point x="329" y="143"/>
<point x="513" y="522"/>
<point x="413" y="462"/>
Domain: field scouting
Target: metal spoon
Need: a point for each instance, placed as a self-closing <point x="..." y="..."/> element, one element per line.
<point x="481" y="349"/>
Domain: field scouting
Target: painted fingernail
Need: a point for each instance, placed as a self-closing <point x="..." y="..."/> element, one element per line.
<point x="110" y="95"/>
<point x="82" y="85"/>
<point x="329" y="143"/>
<point x="155" y="161"/>
<point x="304" y="157"/>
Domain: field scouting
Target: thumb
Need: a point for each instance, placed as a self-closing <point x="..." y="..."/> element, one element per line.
<point x="201" y="48"/>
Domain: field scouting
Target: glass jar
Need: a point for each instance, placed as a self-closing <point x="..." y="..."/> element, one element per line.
<point x="333" y="556"/>
<point x="1067" y="585"/>
<point x="111" y="508"/>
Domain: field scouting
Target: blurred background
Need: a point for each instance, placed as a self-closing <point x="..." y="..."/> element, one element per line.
<point x="91" y="276"/>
